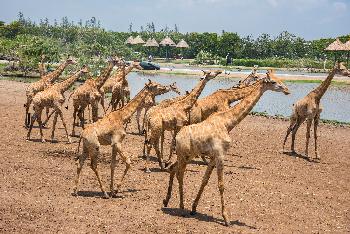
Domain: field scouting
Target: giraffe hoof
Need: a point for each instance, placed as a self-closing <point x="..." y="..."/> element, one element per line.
<point x="165" y="203"/>
<point x="148" y="170"/>
<point x="193" y="212"/>
<point x="113" y="194"/>
<point x="105" y="196"/>
<point x="43" y="140"/>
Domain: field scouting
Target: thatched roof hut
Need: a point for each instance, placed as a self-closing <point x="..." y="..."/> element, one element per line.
<point x="138" y="40"/>
<point x="347" y="45"/>
<point x="129" y="40"/>
<point x="337" y="45"/>
<point x="151" y="42"/>
<point x="167" y="41"/>
<point x="182" y="44"/>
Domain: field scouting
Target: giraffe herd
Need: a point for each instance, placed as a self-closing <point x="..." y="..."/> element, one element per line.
<point x="199" y="127"/>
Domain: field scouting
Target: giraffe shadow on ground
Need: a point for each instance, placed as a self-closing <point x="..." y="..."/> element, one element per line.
<point x="97" y="194"/>
<point x="297" y="155"/>
<point x="202" y="217"/>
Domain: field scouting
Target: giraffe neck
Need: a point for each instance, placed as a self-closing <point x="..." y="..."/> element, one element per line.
<point x="322" y="88"/>
<point x="52" y="76"/>
<point x="128" y="69"/>
<point x="235" y="94"/>
<point x="66" y="84"/>
<point x="127" y="111"/>
<point x="192" y="97"/>
<point x="105" y="75"/>
<point x="236" y="114"/>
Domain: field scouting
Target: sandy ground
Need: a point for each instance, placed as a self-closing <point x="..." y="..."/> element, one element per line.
<point x="266" y="191"/>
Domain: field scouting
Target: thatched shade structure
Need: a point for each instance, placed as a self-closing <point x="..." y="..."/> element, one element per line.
<point x="151" y="43"/>
<point x="182" y="44"/>
<point x="138" y="40"/>
<point x="129" y="40"/>
<point x="167" y="42"/>
<point x="337" y="45"/>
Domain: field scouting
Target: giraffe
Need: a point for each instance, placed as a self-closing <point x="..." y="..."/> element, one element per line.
<point x="252" y="77"/>
<point x="172" y="118"/>
<point x="42" y="67"/>
<point x="309" y="109"/>
<point x="108" y="85"/>
<point x="53" y="97"/>
<point x="163" y="104"/>
<point x="343" y="70"/>
<point x="211" y="137"/>
<point x="41" y="84"/>
<point x="150" y="102"/>
<point x="88" y="94"/>
<point x="118" y="89"/>
<point x="110" y="131"/>
<point x="220" y="100"/>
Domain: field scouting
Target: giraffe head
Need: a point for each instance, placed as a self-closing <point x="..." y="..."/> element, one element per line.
<point x="136" y="65"/>
<point x="84" y="69"/>
<point x="340" y="66"/>
<point x="155" y="87"/>
<point x="208" y="75"/>
<point x="174" y="88"/>
<point x="70" y="60"/>
<point x="274" y="83"/>
<point x="42" y="57"/>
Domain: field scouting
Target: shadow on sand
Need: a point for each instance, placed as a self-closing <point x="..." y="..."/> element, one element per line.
<point x="202" y="217"/>
<point x="296" y="155"/>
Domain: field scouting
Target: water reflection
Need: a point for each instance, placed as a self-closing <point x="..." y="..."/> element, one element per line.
<point x="335" y="102"/>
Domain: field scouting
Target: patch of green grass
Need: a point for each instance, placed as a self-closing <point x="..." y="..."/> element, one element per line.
<point x="278" y="116"/>
<point x="335" y="82"/>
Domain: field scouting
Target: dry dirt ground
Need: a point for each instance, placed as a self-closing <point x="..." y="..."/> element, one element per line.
<point x="266" y="191"/>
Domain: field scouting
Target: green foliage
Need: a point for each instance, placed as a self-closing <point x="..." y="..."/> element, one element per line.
<point x="92" y="44"/>
<point x="204" y="57"/>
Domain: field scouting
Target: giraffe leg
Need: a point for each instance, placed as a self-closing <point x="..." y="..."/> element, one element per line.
<point x="113" y="165"/>
<point x="148" y="147"/>
<point x="74" y="118"/>
<point x="289" y="130"/>
<point x="80" y="164"/>
<point x="94" y="152"/>
<point x="205" y="180"/>
<point x="220" y="171"/>
<point x="81" y="116"/>
<point x="172" y="146"/>
<point x="308" y="127"/>
<point x="180" y="178"/>
<point x="58" y="111"/>
<point x="27" y="115"/>
<point x="127" y="162"/>
<point x="94" y="107"/>
<point x="34" y="117"/>
<point x="54" y="127"/>
<point x="316" y="121"/>
<point x="159" y="156"/>
<point x="40" y="127"/>
<point x="294" y="132"/>
<point x="48" y="118"/>
<point x="173" y="169"/>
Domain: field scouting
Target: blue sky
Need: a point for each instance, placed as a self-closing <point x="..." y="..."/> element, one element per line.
<point x="310" y="19"/>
